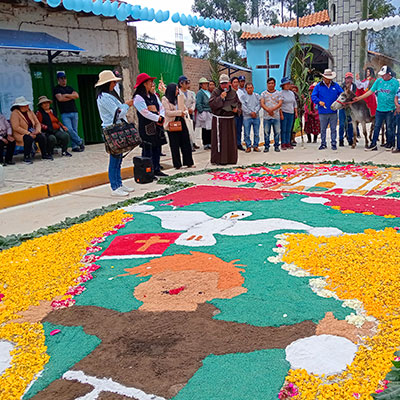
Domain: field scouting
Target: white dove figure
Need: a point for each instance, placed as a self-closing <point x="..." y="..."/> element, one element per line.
<point x="200" y="228"/>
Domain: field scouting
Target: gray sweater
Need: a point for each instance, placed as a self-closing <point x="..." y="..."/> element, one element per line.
<point x="250" y="104"/>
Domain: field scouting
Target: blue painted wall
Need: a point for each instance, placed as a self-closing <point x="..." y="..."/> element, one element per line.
<point x="278" y="49"/>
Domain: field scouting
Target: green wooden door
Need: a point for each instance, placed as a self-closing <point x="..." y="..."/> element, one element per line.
<point x="82" y="78"/>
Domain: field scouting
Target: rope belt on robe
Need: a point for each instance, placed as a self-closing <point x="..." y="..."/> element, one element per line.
<point x="218" y="138"/>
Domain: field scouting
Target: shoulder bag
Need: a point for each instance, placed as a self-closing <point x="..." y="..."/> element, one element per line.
<point x="121" y="137"/>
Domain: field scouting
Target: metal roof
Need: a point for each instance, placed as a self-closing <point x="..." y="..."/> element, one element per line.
<point x="233" y="66"/>
<point x="23" y="40"/>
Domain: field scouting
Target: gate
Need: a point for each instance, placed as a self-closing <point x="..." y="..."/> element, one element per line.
<point x="160" y="61"/>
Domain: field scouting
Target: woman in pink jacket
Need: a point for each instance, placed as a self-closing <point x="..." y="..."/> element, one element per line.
<point x="179" y="141"/>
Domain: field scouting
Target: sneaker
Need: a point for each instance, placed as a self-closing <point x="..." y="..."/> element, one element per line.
<point x="371" y="148"/>
<point x="66" y="154"/>
<point x="119" y="192"/>
<point x="240" y="147"/>
<point x="159" y="173"/>
<point x="248" y="150"/>
<point x="195" y="146"/>
<point x="334" y="148"/>
<point x="47" y="157"/>
<point x="341" y="143"/>
<point x="284" y="146"/>
<point x="77" y="150"/>
<point x="396" y="151"/>
<point x="290" y="147"/>
<point x="322" y="147"/>
<point x="127" y="189"/>
<point x="27" y="160"/>
<point x="293" y="143"/>
<point x="82" y="147"/>
<point x="256" y="149"/>
<point x="389" y="148"/>
<point x="266" y="149"/>
<point x="277" y="149"/>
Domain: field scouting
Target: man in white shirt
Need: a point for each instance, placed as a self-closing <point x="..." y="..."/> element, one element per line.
<point x="190" y="103"/>
<point x="250" y="109"/>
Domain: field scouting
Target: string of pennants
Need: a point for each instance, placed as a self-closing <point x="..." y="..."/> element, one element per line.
<point x="123" y="11"/>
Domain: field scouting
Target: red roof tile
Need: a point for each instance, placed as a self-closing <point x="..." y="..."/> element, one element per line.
<point x="318" y="18"/>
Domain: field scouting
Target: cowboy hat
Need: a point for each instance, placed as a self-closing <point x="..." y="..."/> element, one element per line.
<point x="203" y="80"/>
<point x="43" y="99"/>
<point x="329" y="74"/>
<point x="106" y="77"/>
<point x="285" y="80"/>
<point x="20" y="101"/>
<point x="224" y="78"/>
<point x="141" y="78"/>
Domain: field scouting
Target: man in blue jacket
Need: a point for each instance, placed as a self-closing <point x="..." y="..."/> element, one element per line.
<point x="323" y="96"/>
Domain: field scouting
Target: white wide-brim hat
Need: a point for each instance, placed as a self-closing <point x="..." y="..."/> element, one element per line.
<point x="106" y="77"/>
<point x="21" y="101"/>
<point x="329" y="74"/>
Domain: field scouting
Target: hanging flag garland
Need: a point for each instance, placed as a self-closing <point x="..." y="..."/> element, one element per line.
<point x="122" y="11"/>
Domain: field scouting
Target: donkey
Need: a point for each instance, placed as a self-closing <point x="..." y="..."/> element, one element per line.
<point x="359" y="112"/>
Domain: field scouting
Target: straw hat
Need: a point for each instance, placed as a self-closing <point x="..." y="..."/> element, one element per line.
<point x="224" y="78"/>
<point x="20" y="101"/>
<point x="203" y="80"/>
<point x="329" y="74"/>
<point x="105" y="77"/>
<point x="43" y="99"/>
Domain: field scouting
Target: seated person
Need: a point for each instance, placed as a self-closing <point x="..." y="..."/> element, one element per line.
<point x="26" y="130"/>
<point x="55" y="131"/>
<point x="7" y="141"/>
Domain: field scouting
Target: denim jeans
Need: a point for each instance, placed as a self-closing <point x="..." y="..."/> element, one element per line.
<point x="70" y="120"/>
<point x="397" y="130"/>
<point x="114" y="171"/>
<point x="248" y="123"/>
<point x="239" y="125"/>
<point x="331" y="120"/>
<point x="380" y="117"/>
<point x="343" y="127"/>
<point x="286" y="127"/>
<point x="276" y="125"/>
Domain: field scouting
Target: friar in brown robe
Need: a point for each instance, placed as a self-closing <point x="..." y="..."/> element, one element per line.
<point x="224" y="104"/>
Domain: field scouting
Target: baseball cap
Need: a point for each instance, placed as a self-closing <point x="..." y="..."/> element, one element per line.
<point x="385" y="70"/>
<point x="224" y="78"/>
<point x="182" y="78"/>
<point x="61" y="74"/>
<point x="242" y="78"/>
<point x="349" y="75"/>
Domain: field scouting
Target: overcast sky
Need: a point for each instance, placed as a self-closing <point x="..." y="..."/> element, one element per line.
<point x="168" y="32"/>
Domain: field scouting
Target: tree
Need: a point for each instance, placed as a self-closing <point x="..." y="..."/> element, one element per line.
<point x="380" y="9"/>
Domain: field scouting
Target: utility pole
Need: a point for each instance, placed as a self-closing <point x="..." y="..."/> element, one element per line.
<point x="297" y="12"/>
<point x="363" y="40"/>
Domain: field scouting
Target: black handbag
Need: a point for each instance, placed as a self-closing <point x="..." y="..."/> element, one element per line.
<point x="120" y="138"/>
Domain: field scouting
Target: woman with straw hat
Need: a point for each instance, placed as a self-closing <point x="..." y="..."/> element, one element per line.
<point x="55" y="131"/>
<point x="26" y="130"/>
<point x="109" y="104"/>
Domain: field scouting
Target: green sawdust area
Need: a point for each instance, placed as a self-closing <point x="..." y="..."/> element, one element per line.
<point x="272" y="292"/>
<point x="175" y="185"/>
<point x="65" y="350"/>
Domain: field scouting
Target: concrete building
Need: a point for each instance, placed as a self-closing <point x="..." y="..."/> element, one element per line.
<point x="270" y="56"/>
<point x="108" y="44"/>
<point x="348" y="49"/>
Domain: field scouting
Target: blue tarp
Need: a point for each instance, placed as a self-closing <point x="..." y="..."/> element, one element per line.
<point x="22" y="40"/>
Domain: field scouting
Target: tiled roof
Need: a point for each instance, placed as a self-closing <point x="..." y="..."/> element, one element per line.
<point x="318" y="18"/>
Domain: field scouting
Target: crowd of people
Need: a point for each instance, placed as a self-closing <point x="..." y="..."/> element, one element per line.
<point x="42" y="129"/>
<point x="222" y="110"/>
